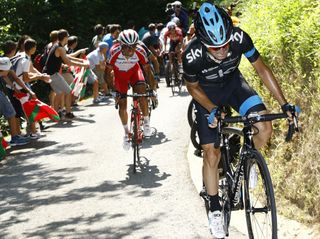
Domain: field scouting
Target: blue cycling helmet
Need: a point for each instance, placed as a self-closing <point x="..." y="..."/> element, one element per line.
<point x="213" y="25"/>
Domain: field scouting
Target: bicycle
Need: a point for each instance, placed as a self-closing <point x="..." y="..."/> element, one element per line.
<point x="136" y="122"/>
<point x="244" y="179"/>
<point x="172" y="74"/>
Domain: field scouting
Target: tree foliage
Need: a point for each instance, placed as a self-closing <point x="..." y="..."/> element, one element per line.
<point x="38" y="17"/>
<point x="287" y="35"/>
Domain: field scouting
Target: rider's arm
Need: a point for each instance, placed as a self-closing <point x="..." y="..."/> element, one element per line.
<point x="199" y="95"/>
<point x="165" y="36"/>
<point x="150" y="76"/>
<point x="269" y="80"/>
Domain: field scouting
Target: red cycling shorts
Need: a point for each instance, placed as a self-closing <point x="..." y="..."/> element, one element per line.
<point x="124" y="78"/>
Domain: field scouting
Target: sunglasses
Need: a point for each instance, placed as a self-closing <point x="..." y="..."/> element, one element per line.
<point x="131" y="47"/>
<point x="217" y="48"/>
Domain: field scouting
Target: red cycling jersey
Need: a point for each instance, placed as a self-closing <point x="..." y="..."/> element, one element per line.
<point x="173" y="36"/>
<point x="127" y="70"/>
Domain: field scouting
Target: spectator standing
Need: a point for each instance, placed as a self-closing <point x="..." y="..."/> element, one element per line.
<point x="112" y="36"/>
<point x="6" y="108"/>
<point x="181" y="13"/>
<point x="23" y="71"/>
<point x="57" y="56"/>
<point x="97" y="63"/>
<point x="99" y="31"/>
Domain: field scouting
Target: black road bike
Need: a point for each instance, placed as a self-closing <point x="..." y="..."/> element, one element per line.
<point x="172" y="74"/>
<point x="244" y="178"/>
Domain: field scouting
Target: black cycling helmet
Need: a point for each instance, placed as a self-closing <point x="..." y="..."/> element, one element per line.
<point x="213" y="25"/>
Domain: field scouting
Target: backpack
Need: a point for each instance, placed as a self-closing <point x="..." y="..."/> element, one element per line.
<point x="38" y="62"/>
<point x="15" y="61"/>
<point x="41" y="59"/>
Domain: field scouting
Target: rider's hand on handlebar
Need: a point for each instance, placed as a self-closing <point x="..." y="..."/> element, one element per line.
<point x="213" y="117"/>
<point x="291" y="110"/>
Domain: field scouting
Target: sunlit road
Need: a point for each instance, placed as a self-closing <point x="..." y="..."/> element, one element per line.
<point x="77" y="181"/>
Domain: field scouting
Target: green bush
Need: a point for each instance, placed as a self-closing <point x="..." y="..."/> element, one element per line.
<point x="287" y="35"/>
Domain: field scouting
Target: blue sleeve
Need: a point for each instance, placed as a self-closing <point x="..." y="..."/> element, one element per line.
<point x="249" y="50"/>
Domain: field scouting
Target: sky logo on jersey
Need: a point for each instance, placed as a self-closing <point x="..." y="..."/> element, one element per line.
<point x="193" y="54"/>
<point x="237" y="37"/>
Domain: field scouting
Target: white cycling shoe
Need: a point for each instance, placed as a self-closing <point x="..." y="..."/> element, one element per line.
<point x="216" y="224"/>
<point x="147" y="130"/>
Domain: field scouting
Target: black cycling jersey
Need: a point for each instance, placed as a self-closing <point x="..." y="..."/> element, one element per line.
<point x="198" y="65"/>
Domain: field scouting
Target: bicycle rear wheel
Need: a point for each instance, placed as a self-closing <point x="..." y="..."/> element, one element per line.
<point x="191" y="113"/>
<point x="260" y="205"/>
<point x="168" y="74"/>
<point x="194" y="136"/>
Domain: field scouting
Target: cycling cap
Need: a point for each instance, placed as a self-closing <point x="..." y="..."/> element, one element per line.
<point x="5" y="64"/>
<point x="129" y="37"/>
<point x="103" y="45"/>
<point x="213" y="25"/>
<point x="171" y="25"/>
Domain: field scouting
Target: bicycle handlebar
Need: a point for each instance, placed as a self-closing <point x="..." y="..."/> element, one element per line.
<point x="254" y="118"/>
<point x="134" y="95"/>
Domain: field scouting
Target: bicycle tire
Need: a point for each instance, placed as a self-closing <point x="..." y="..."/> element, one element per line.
<point x="191" y="113"/>
<point x="175" y="78"/>
<point x="167" y="74"/>
<point x="180" y="83"/>
<point x="135" y="142"/>
<point x="194" y="136"/>
<point x="150" y="106"/>
<point x="262" y="211"/>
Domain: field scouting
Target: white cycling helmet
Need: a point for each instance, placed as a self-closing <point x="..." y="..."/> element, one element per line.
<point x="176" y="20"/>
<point x="176" y="3"/>
<point x="129" y="37"/>
<point x="171" y="25"/>
<point x="5" y="64"/>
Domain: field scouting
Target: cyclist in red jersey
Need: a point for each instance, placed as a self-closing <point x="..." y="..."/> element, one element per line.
<point x="124" y="59"/>
<point x="175" y="35"/>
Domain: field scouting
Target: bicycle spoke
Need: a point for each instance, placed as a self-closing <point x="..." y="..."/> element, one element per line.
<point x="259" y="199"/>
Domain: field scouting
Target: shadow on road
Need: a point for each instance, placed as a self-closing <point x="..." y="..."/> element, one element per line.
<point x="155" y="139"/>
<point x="147" y="176"/>
<point x="61" y="229"/>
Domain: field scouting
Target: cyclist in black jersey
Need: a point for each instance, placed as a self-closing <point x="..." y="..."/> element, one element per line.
<point x="210" y="65"/>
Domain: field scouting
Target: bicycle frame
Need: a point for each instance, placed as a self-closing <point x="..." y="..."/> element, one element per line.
<point x="234" y="190"/>
<point x="136" y="122"/>
<point x="136" y="133"/>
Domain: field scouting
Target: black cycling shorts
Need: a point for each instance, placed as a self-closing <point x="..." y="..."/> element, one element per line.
<point x="236" y="94"/>
<point x="173" y="45"/>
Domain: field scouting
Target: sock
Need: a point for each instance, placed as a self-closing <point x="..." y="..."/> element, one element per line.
<point x="146" y="120"/>
<point x="126" y="129"/>
<point x="214" y="203"/>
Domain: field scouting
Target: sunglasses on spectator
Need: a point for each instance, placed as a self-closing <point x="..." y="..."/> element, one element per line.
<point x="213" y="48"/>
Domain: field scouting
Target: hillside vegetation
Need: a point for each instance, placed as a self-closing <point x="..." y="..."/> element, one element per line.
<point x="287" y="34"/>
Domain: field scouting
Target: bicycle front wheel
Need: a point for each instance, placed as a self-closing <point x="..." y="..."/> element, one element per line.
<point x="135" y="143"/>
<point x="260" y="205"/>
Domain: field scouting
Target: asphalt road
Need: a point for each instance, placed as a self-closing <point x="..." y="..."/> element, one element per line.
<point x="77" y="181"/>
